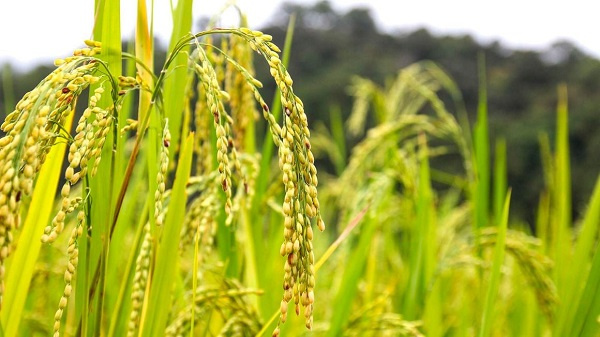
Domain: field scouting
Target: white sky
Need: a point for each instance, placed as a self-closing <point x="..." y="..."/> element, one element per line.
<point x="32" y="31"/>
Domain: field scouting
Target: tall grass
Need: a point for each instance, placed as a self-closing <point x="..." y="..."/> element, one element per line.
<point x="176" y="208"/>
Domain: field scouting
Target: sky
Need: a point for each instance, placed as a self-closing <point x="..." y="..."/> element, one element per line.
<point x="56" y="27"/>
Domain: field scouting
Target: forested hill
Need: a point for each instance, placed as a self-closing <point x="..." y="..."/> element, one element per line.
<point x="330" y="47"/>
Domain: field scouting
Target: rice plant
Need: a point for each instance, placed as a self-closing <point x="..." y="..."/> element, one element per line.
<point x="165" y="217"/>
<point x="102" y="171"/>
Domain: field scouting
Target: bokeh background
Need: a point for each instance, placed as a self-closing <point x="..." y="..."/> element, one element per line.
<point x="530" y="48"/>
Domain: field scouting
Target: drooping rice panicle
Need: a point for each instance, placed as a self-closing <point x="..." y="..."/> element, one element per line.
<point x="243" y="109"/>
<point x="91" y="131"/>
<point x="140" y="280"/>
<point x="73" y="253"/>
<point x="31" y="129"/>
<point x="221" y="120"/>
<point x="296" y="161"/>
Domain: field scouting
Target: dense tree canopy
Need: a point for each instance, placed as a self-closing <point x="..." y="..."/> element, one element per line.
<point x="330" y="48"/>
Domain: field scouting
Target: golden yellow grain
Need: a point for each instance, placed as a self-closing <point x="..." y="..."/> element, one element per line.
<point x="221" y="121"/>
<point x="140" y="279"/>
<point x="73" y="253"/>
<point x="31" y="129"/>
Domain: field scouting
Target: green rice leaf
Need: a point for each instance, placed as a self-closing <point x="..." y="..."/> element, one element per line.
<point x="586" y="285"/>
<point x="25" y="255"/>
<point x="562" y="199"/>
<point x="499" y="178"/>
<point x="107" y="30"/>
<point x="174" y="84"/>
<point x="351" y="276"/>
<point x="167" y="255"/>
<point x="481" y="195"/>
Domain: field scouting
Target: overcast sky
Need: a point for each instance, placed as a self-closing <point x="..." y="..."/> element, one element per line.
<point x="32" y="31"/>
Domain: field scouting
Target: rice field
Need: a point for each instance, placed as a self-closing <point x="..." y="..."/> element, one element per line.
<point x="181" y="203"/>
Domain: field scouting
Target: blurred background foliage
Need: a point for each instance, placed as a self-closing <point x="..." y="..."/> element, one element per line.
<point x="330" y="48"/>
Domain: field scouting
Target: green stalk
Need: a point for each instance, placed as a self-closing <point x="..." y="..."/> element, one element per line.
<point x="577" y="302"/>
<point x="586" y="317"/>
<point x="426" y="224"/>
<point x="120" y="314"/>
<point x="106" y="30"/>
<point x="121" y="237"/>
<point x="413" y="302"/>
<point x="543" y="224"/>
<point x="167" y="256"/>
<point x="499" y="179"/>
<point x="562" y="199"/>
<point x="144" y="51"/>
<point x="494" y="280"/>
<point x="175" y="82"/>
<point x="481" y="195"/>
<point x="480" y="187"/>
